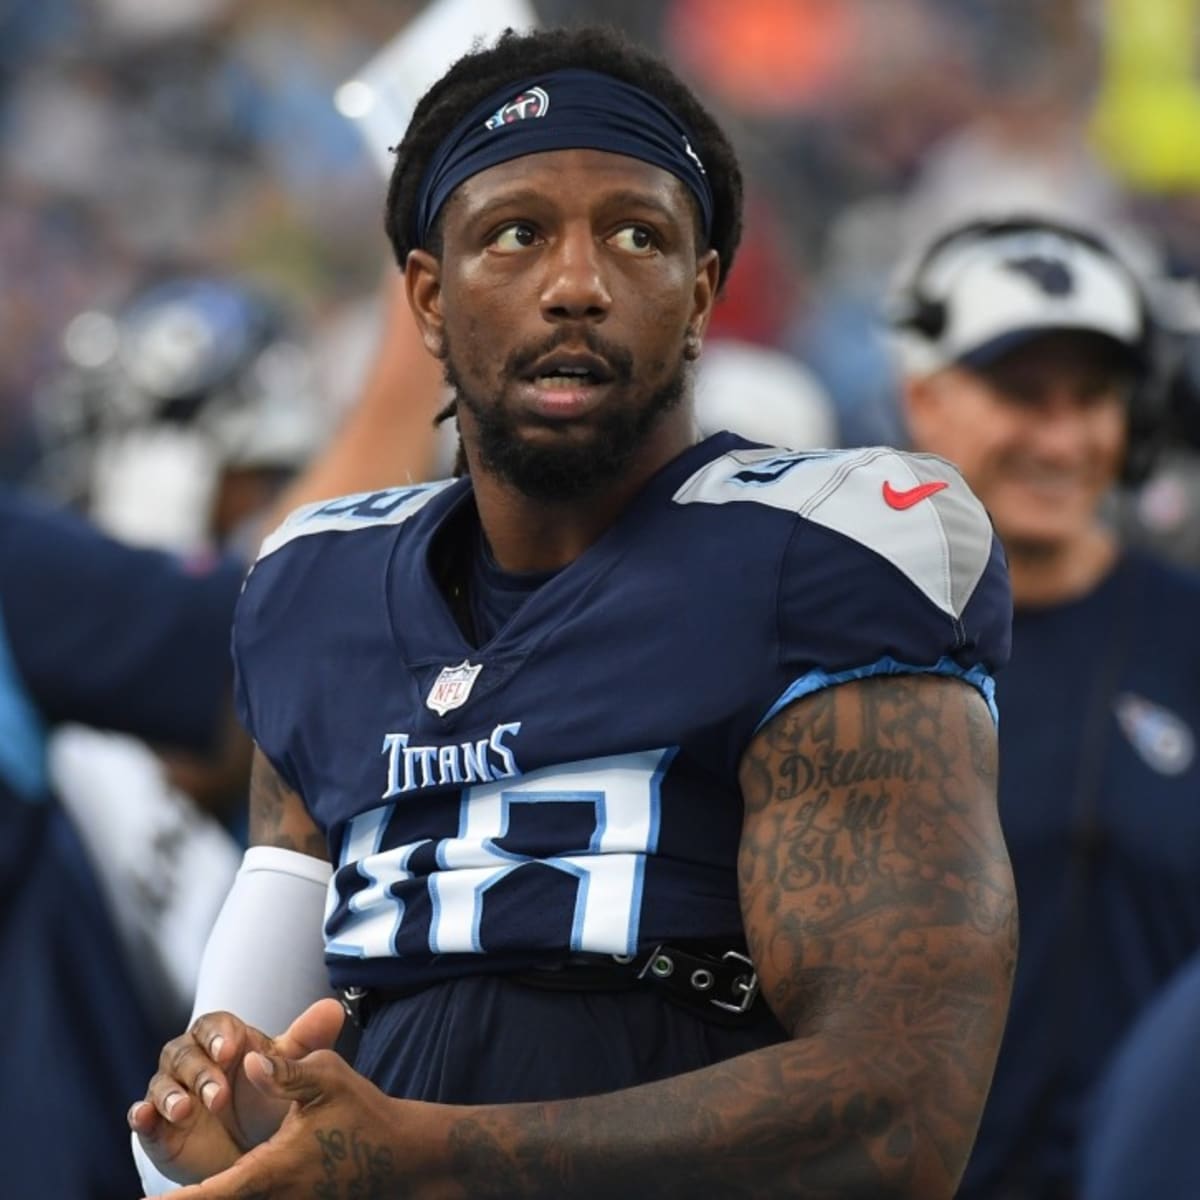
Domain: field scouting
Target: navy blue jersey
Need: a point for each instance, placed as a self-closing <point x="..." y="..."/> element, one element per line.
<point x="1100" y="806"/>
<point x="571" y="784"/>
<point x="93" y="631"/>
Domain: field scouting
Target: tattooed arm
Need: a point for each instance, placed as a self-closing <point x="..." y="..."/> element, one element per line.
<point x="278" y="816"/>
<point x="879" y="911"/>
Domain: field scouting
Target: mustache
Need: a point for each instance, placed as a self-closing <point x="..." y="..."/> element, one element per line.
<point x="619" y="360"/>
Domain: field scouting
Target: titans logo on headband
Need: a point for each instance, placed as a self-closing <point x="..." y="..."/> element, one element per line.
<point x="529" y="104"/>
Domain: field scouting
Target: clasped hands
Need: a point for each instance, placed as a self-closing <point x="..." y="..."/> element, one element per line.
<point x="238" y="1115"/>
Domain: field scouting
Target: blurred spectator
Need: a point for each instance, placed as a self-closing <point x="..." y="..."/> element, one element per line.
<point x="174" y="422"/>
<point x="133" y="640"/>
<point x="1028" y="357"/>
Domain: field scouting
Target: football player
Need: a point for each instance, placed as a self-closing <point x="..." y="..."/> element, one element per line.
<point x="644" y="786"/>
<point x="1033" y="359"/>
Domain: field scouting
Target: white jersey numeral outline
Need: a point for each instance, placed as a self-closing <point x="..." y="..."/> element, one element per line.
<point x="623" y="792"/>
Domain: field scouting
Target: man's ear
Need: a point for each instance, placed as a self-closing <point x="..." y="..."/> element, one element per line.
<point x="920" y="407"/>
<point x="704" y="296"/>
<point x="423" y="284"/>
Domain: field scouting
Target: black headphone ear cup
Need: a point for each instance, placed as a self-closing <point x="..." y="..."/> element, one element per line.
<point x="1145" y="434"/>
<point x="928" y="317"/>
<point x="912" y="310"/>
<point x="917" y="309"/>
<point x="1149" y="399"/>
<point x="1183" y="389"/>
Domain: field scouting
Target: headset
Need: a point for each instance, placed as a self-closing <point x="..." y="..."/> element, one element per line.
<point x="916" y="308"/>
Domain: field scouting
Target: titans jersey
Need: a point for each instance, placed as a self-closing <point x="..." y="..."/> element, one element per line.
<point x="571" y="784"/>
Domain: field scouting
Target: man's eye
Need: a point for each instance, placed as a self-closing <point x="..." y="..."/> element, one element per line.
<point x="1096" y="393"/>
<point x="636" y="239"/>
<point x="515" y="237"/>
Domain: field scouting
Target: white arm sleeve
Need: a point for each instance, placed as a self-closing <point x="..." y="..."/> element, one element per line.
<point x="264" y="959"/>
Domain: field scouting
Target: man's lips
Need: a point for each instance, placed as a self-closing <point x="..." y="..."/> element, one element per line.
<point x="571" y="365"/>
<point x="559" y="398"/>
<point x="565" y="384"/>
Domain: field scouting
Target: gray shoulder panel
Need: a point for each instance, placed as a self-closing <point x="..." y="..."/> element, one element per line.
<point x="914" y="510"/>
<point x="347" y="513"/>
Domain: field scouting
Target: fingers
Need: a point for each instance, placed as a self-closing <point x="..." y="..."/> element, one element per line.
<point x="193" y="1066"/>
<point x="303" y="1080"/>
<point x="316" y="1028"/>
<point x="185" y="1071"/>
<point x="285" y="1166"/>
<point x="226" y="1038"/>
<point x="185" y="1150"/>
<point x="199" y="1113"/>
<point x="145" y="1120"/>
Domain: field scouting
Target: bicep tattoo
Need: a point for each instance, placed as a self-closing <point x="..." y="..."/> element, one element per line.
<point x="876" y="886"/>
<point x="277" y="814"/>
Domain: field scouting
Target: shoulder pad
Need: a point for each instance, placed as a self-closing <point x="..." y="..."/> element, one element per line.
<point x="391" y="506"/>
<point x="914" y="510"/>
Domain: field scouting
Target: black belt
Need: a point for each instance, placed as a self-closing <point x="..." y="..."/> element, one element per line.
<point x="720" y="985"/>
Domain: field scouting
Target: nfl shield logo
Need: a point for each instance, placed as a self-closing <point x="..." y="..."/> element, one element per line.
<point x="452" y="687"/>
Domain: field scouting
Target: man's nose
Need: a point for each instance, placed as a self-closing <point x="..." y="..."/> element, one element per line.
<point x="1062" y="427"/>
<point x="574" y="287"/>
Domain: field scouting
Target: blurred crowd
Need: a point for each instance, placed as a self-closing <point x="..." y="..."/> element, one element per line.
<point x="142" y="141"/>
<point x="138" y="141"/>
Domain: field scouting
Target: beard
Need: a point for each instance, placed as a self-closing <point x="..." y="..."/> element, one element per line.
<point x="569" y="470"/>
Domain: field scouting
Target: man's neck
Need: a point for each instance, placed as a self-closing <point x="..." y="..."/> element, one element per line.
<point x="1046" y="575"/>
<point x="527" y="534"/>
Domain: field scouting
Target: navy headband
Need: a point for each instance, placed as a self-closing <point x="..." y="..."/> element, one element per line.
<point x="569" y="109"/>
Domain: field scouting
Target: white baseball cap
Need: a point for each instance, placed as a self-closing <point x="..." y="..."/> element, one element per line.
<point x="980" y="290"/>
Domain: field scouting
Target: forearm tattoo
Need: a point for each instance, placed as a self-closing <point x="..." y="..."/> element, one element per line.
<point x="879" y="910"/>
<point x="356" y="1169"/>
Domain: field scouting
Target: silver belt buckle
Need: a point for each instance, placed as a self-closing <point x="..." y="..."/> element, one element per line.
<point x="745" y="986"/>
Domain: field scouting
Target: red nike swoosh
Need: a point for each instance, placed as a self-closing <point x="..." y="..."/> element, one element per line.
<point x="913" y="495"/>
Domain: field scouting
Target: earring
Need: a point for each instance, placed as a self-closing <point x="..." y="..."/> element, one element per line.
<point x="691" y="347"/>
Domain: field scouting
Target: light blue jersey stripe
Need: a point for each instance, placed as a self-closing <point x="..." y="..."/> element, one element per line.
<point x="814" y="681"/>
<point x="22" y="734"/>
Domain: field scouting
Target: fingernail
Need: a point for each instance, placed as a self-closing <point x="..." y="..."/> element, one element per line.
<point x="172" y="1102"/>
<point x="131" y="1115"/>
<point x="208" y="1093"/>
<point x="216" y="1046"/>
<point x="267" y="1065"/>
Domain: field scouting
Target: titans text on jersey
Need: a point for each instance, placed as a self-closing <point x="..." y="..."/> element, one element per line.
<point x="412" y="767"/>
<point x="571" y="784"/>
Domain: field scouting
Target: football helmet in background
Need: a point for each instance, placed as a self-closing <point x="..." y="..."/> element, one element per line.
<point x="158" y="404"/>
